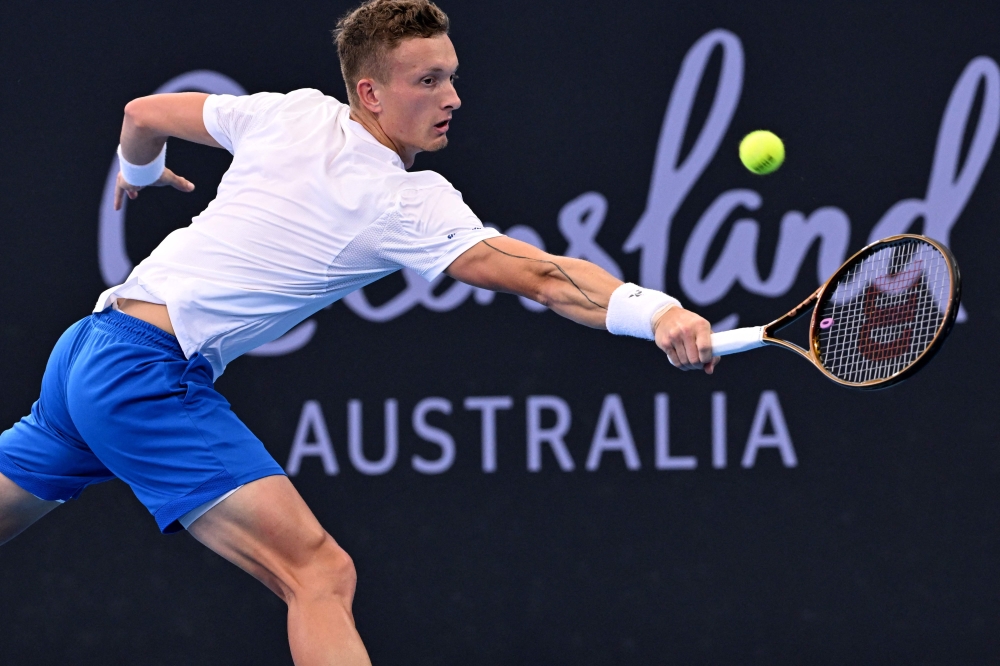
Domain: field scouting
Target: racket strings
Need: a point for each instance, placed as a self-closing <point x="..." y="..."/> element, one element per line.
<point x="885" y="311"/>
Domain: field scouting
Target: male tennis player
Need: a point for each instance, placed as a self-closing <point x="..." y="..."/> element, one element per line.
<point x="318" y="202"/>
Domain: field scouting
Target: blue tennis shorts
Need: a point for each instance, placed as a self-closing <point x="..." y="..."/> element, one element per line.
<point x="119" y="399"/>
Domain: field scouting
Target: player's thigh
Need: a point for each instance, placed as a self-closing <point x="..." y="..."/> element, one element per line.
<point x="19" y="509"/>
<point x="266" y="529"/>
<point x="153" y="418"/>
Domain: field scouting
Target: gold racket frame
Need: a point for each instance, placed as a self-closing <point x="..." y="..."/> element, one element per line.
<point x="812" y="354"/>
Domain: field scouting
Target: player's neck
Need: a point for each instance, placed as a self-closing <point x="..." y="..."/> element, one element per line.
<point x="369" y="121"/>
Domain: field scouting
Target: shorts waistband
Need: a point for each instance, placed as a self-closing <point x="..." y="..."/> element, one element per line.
<point x="135" y="330"/>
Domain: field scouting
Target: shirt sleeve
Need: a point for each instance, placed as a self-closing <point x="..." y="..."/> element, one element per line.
<point x="229" y="118"/>
<point x="433" y="228"/>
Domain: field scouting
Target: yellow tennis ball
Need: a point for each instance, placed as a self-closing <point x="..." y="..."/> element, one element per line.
<point x="762" y="152"/>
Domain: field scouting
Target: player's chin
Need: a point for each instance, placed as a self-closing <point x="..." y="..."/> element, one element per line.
<point x="437" y="143"/>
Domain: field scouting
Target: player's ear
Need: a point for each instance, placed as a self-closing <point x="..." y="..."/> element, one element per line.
<point x="368" y="95"/>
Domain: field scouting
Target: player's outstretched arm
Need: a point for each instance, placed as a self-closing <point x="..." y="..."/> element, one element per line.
<point x="582" y="291"/>
<point x="149" y="122"/>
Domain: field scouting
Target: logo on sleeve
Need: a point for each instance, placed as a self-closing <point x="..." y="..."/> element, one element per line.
<point x="452" y="235"/>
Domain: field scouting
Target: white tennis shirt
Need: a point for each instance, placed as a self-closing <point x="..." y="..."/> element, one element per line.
<point x="312" y="208"/>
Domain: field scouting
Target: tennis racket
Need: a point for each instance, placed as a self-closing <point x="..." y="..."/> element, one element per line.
<point x="877" y="320"/>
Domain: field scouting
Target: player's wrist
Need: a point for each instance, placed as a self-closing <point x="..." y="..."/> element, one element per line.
<point x="658" y="315"/>
<point x="140" y="175"/>
<point x="634" y="310"/>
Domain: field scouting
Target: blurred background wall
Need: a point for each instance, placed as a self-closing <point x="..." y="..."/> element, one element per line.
<point x="525" y="490"/>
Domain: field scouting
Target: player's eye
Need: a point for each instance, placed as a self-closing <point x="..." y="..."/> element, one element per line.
<point x="428" y="80"/>
<point x="454" y="77"/>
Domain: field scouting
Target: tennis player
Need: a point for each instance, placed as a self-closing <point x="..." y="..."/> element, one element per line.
<point x="318" y="202"/>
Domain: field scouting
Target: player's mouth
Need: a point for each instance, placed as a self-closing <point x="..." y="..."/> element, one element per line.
<point x="442" y="126"/>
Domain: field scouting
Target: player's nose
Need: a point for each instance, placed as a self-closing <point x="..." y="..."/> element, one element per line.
<point x="452" y="100"/>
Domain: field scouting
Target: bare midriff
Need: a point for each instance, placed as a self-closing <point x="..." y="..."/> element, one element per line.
<point x="151" y="313"/>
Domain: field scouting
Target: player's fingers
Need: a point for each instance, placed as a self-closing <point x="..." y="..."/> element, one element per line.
<point x="178" y="182"/>
<point x="122" y="188"/>
<point x="672" y="357"/>
<point x="680" y="352"/>
<point x="710" y="367"/>
<point x="690" y="343"/>
<point x="704" y="342"/>
<point x="183" y="184"/>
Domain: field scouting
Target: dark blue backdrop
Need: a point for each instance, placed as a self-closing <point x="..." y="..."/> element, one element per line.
<point x="776" y="518"/>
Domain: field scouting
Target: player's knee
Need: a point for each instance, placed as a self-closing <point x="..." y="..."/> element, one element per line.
<point x="330" y="571"/>
<point x="343" y="577"/>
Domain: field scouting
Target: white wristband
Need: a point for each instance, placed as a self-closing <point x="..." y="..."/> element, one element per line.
<point x="631" y="310"/>
<point x="144" y="174"/>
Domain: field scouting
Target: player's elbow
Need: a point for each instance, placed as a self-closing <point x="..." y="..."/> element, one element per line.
<point x="548" y="289"/>
<point x="543" y="297"/>
<point x="137" y="113"/>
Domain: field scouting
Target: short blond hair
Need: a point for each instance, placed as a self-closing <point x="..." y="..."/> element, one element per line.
<point x="366" y="35"/>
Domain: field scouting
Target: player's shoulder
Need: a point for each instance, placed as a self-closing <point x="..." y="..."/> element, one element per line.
<point x="421" y="183"/>
<point x="300" y="100"/>
<point x="420" y="189"/>
<point x="305" y="99"/>
<point x="298" y="112"/>
<point x="301" y="97"/>
<point x="421" y="194"/>
<point x="311" y="95"/>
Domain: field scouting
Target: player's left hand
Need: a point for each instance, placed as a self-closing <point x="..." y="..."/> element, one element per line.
<point x="686" y="338"/>
<point x="123" y="188"/>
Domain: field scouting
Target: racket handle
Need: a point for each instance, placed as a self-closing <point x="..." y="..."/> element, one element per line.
<point x="737" y="340"/>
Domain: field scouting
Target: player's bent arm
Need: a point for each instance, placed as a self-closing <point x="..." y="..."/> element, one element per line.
<point x="149" y="121"/>
<point x="578" y="290"/>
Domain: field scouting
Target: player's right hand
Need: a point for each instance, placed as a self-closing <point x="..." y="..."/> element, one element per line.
<point x="168" y="177"/>
<point x="686" y="338"/>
